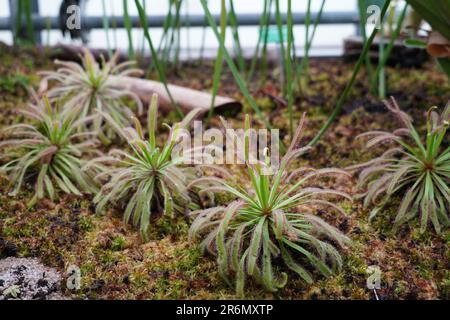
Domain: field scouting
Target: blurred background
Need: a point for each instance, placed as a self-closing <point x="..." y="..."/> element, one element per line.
<point x="327" y="42"/>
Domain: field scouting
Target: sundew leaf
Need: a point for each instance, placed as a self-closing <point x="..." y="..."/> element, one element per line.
<point x="291" y="264"/>
<point x="51" y="157"/>
<point x="255" y="246"/>
<point x="151" y="121"/>
<point x="249" y="239"/>
<point x="417" y="173"/>
<point x="144" y="178"/>
<point x="236" y="244"/>
<point x="220" y="240"/>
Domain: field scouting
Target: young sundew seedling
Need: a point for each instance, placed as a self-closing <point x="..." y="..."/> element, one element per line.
<point x="48" y="151"/>
<point x="420" y="171"/>
<point x="272" y="220"/>
<point x="146" y="181"/>
<point x="87" y="88"/>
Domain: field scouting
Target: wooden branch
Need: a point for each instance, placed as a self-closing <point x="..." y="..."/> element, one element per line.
<point x="187" y="99"/>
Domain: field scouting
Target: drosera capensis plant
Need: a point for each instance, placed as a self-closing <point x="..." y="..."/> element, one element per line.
<point x="88" y="87"/>
<point x="273" y="219"/>
<point x="418" y="169"/>
<point x="49" y="151"/>
<point x="146" y="181"/>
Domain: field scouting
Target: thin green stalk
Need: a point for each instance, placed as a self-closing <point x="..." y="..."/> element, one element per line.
<point x="202" y="47"/>
<point x="114" y="24"/>
<point x="178" y="36"/>
<point x="381" y="74"/>
<point x="288" y="65"/>
<point x="188" y="31"/>
<point x="167" y="35"/>
<point x="164" y="42"/>
<point x="129" y="28"/>
<point x="362" y="26"/>
<point x="240" y="82"/>
<point x="106" y="28"/>
<point x="19" y="21"/>
<point x="263" y="30"/>
<point x="219" y="60"/>
<point x="303" y="63"/>
<point x="29" y="21"/>
<point x="264" y="67"/>
<point x="237" y="41"/>
<point x="171" y="53"/>
<point x="142" y="52"/>
<point x="48" y="29"/>
<point x="280" y="37"/>
<point x="294" y="49"/>
<point x="166" y="26"/>
<point x="384" y="58"/>
<point x="391" y="19"/>
<point x="171" y="33"/>
<point x="307" y="26"/>
<point x="159" y="67"/>
<point x="173" y="29"/>
<point x="349" y="86"/>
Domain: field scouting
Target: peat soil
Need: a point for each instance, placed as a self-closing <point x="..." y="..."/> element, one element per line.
<point x="114" y="262"/>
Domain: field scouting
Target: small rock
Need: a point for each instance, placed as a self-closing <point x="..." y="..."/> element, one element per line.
<point x="28" y="279"/>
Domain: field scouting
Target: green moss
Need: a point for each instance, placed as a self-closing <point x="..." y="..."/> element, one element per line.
<point x="265" y="104"/>
<point x="223" y="198"/>
<point x="13" y="83"/>
<point x="354" y="263"/>
<point x="444" y="286"/>
<point x="446" y="237"/>
<point x="86" y="223"/>
<point x="119" y="243"/>
<point x="401" y="288"/>
<point x="115" y="264"/>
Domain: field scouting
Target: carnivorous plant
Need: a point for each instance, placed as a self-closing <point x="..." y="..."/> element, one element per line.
<point x="272" y="219"/>
<point x="417" y="168"/>
<point x="48" y="151"/>
<point x="89" y="87"/>
<point x="145" y="181"/>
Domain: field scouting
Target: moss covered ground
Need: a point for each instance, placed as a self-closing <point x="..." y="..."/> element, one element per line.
<point x="116" y="264"/>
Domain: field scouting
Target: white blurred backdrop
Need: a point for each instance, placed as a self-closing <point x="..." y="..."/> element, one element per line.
<point x="328" y="40"/>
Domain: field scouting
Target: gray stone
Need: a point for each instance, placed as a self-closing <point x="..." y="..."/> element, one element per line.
<point x="28" y="279"/>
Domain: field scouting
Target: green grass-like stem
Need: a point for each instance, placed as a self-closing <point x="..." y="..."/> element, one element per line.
<point x="349" y="86"/>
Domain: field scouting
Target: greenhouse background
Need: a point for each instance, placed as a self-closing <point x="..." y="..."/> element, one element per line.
<point x="328" y="40"/>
